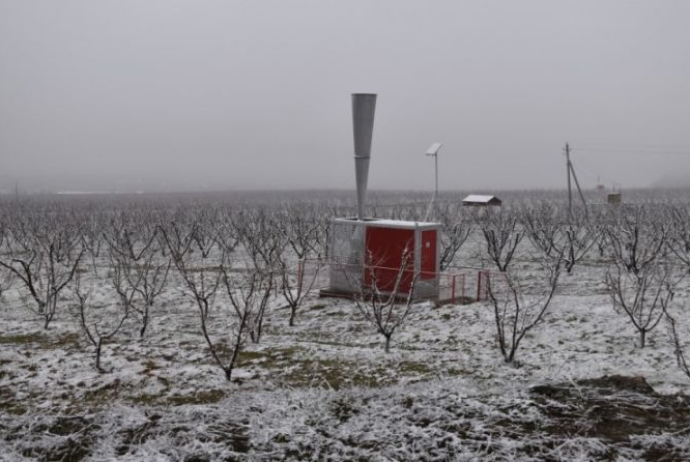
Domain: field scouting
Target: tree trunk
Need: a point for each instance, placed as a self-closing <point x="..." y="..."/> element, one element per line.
<point x="569" y="266"/>
<point x="99" y="347"/>
<point x="145" y="323"/>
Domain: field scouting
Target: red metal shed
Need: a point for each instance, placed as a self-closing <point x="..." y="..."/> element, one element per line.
<point x="368" y="252"/>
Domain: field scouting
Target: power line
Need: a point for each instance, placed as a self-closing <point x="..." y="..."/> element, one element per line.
<point x="633" y="146"/>
<point x="632" y="151"/>
<point x="592" y="170"/>
<point x="620" y="148"/>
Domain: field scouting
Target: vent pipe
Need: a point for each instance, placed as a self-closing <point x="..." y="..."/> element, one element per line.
<point x="363" y="108"/>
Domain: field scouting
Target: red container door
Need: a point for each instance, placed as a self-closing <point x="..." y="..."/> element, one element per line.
<point x="385" y="248"/>
<point x="429" y="252"/>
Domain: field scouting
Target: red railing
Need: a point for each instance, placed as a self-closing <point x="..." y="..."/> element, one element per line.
<point x="460" y="286"/>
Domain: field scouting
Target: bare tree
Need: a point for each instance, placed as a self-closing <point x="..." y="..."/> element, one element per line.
<point x="100" y="320"/>
<point x="295" y="287"/>
<point x="260" y="238"/>
<point x="520" y="305"/>
<point x="6" y="280"/>
<point x="382" y="305"/>
<point x="92" y="240"/>
<point x="177" y="239"/>
<point x="300" y="229"/>
<point x="249" y="292"/>
<point x="456" y="229"/>
<point x="580" y="238"/>
<point x="21" y="229"/>
<point x="153" y="276"/>
<point x="502" y="237"/>
<point x="147" y="279"/>
<point x="144" y="268"/>
<point x="205" y="232"/>
<point x="3" y="232"/>
<point x="47" y="271"/>
<point x="681" y="348"/>
<point x="600" y="221"/>
<point x="637" y="238"/>
<point x="6" y="276"/>
<point x="641" y="296"/>
<point x="542" y="225"/>
<point x="227" y="236"/>
<point x="323" y="235"/>
<point x="202" y="282"/>
<point x="553" y="232"/>
<point x="128" y="240"/>
<point x="679" y="234"/>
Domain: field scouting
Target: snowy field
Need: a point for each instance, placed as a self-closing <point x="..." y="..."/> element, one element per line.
<point x="324" y="389"/>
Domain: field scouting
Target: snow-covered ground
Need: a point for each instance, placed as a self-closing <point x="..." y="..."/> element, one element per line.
<point x="324" y="389"/>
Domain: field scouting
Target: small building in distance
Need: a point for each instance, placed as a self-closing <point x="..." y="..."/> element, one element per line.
<point x="614" y="198"/>
<point x="477" y="200"/>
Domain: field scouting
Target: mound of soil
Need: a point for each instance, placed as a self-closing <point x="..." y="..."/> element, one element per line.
<point x="613" y="409"/>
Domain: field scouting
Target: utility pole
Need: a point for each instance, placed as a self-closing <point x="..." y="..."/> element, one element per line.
<point x="567" y="170"/>
<point x="571" y="172"/>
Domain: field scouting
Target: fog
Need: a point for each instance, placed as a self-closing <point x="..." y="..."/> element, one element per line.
<point x="256" y="95"/>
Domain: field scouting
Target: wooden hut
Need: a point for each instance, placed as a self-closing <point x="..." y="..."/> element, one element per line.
<point x="477" y="200"/>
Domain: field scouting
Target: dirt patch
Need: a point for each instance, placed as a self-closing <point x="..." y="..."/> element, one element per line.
<point x="71" y="439"/>
<point x="41" y="340"/>
<point x="229" y="434"/>
<point x="612" y="408"/>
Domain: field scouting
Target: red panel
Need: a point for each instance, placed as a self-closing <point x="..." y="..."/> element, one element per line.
<point x="385" y="247"/>
<point x="428" y="255"/>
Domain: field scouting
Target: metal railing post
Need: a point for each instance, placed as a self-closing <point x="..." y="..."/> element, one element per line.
<point x="479" y="286"/>
<point x="488" y="281"/>
<point x="300" y="274"/>
<point x="452" y="289"/>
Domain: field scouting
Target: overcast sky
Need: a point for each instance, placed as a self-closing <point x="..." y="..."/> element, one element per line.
<point x="256" y="94"/>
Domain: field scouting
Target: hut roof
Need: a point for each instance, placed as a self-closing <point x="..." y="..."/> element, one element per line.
<point x="481" y="200"/>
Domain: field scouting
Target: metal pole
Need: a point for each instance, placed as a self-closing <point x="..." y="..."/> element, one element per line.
<point x="433" y="151"/>
<point x="567" y="168"/>
<point x="433" y="199"/>
<point x="300" y="274"/>
<point x="436" y="165"/>
<point x="579" y="190"/>
<point x="452" y="290"/>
